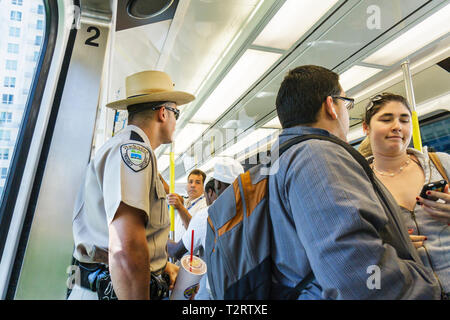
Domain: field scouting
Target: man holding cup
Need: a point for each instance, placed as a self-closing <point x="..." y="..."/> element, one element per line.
<point x="226" y="170"/>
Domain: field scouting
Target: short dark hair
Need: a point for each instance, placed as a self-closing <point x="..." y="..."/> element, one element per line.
<point x="142" y="110"/>
<point x="302" y="93"/>
<point x="378" y="101"/>
<point x="210" y="186"/>
<point x="198" y="172"/>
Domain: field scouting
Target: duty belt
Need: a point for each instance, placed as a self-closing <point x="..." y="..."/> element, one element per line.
<point x="96" y="277"/>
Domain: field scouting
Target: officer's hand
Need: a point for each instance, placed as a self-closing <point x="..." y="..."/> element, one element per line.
<point x="175" y="200"/>
<point x="172" y="271"/>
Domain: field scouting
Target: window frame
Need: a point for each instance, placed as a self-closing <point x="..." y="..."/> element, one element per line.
<point x="14" y="32"/>
<point x="4" y="175"/>
<point x="9" y="82"/>
<point x="30" y="115"/>
<point x="13" y="48"/>
<point x="7" y="98"/>
<point x="11" y="65"/>
<point x="15" y="15"/>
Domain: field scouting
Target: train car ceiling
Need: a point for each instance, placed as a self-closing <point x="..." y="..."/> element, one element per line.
<point x="235" y="72"/>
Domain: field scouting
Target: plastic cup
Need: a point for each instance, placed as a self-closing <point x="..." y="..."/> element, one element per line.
<point x="188" y="277"/>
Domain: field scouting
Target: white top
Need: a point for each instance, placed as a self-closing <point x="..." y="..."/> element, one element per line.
<point x="198" y="224"/>
<point x="192" y="206"/>
<point x="123" y="170"/>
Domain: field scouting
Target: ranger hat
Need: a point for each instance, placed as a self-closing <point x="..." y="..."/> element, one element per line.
<point x="150" y="86"/>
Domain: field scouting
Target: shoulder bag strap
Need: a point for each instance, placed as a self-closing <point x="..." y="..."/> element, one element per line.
<point x="437" y="163"/>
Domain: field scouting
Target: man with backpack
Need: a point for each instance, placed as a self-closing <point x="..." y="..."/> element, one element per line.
<point x="333" y="222"/>
<point x="226" y="170"/>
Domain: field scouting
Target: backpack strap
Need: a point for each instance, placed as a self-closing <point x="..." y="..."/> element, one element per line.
<point x="358" y="157"/>
<point x="305" y="281"/>
<point x="437" y="163"/>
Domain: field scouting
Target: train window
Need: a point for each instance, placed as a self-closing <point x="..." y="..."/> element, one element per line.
<point x="14" y="72"/>
<point x="40" y="9"/>
<point x="40" y="25"/>
<point x="9" y="82"/>
<point x="13" y="48"/>
<point x="14" y="32"/>
<point x="16" y="15"/>
<point x="11" y="65"/>
<point x="436" y="133"/>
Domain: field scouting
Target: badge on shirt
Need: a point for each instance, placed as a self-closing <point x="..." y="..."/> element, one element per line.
<point x="135" y="156"/>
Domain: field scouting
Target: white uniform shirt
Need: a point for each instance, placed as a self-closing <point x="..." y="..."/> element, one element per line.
<point x="198" y="224"/>
<point x="192" y="207"/>
<point x="123" y="170"/>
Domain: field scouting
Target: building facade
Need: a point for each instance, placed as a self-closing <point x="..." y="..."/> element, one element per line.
<point x="22" y="27"/>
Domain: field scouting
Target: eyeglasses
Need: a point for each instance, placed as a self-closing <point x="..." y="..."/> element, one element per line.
<point x="349" y="103"/>
<point x="176" y="112"/>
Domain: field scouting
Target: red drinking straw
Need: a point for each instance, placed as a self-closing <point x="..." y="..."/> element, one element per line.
<point x="192" y="250"/>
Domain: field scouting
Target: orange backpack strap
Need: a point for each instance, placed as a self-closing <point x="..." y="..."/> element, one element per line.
<point x="437" y="163"/>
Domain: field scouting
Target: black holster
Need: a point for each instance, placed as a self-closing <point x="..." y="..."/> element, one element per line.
<point x="96" y="277"/>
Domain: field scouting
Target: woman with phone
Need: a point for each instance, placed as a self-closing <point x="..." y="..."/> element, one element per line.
<point x="405" y="172"/>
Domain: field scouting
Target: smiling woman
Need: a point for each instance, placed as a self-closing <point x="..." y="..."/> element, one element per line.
<point x="388" y="125"/>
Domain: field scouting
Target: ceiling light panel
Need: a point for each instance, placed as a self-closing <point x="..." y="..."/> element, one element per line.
<point x="291" y="22"/>
<point x="205" y="32"/>
<point x="356" y="75"/>
<point x="244" y="73"/>
<point x="207" y="166"/>
<point x="248" y="141"/>
<point x="274" y="123"/>
<point x="188" y="135"/>
<point x="429" y="30"/>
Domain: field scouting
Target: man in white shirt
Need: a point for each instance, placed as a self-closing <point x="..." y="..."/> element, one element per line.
<point x="226" y="170"/>
<point x="187" y="209"/>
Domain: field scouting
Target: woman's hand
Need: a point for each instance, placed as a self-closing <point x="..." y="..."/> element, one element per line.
<point x="416" y="240"/>
<point x="439" y="211"/>
<point x="172" y="271"/>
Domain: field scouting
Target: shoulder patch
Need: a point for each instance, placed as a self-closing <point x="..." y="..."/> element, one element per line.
<point x="135" y="156"/>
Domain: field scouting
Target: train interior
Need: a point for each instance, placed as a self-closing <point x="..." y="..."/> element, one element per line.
<point x="232" y="55"/>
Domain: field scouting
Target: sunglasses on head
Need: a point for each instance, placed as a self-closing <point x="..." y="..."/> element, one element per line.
<point x="374" y="100"/>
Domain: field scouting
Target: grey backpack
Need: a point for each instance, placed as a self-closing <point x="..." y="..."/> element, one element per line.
<point x="238" y="239"/>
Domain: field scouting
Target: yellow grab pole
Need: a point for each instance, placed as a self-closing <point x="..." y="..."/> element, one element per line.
<point x="172" y="190"/>
<point x="417" y="140"/>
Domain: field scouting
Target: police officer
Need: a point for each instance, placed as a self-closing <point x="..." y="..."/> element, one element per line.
<point x="121" y="221"/>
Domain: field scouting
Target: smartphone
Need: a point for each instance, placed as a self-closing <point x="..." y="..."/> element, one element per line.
<point x="433" y="186"/>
